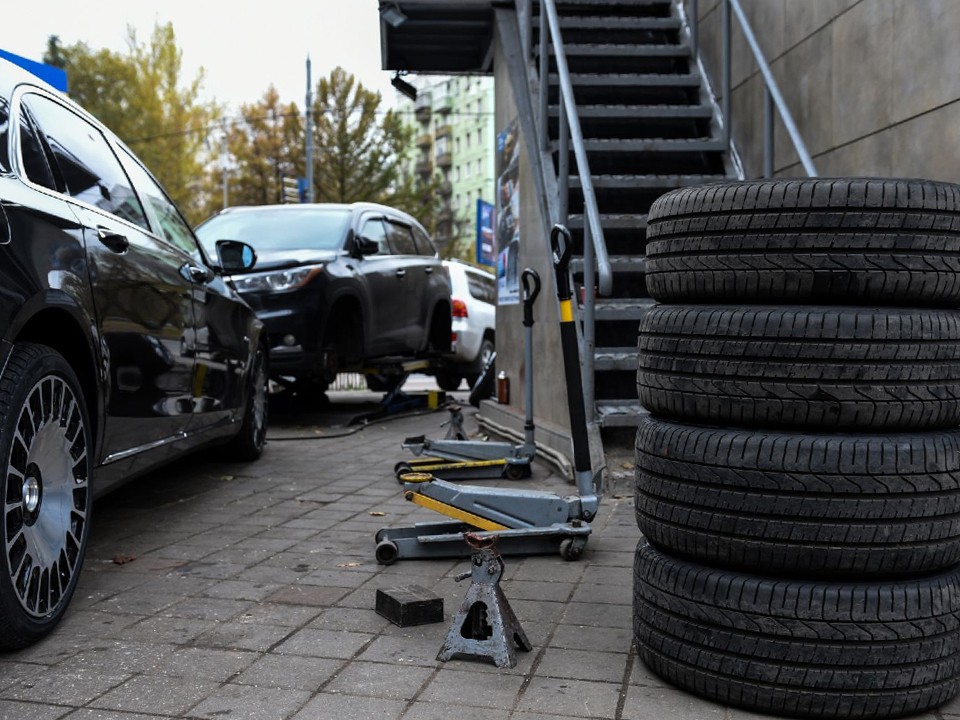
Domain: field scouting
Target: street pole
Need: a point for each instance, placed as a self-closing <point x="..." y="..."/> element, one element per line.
<point x="223" y="158"/>
<point x="309" y="135"/>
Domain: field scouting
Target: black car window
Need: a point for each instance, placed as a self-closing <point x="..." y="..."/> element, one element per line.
<point x="401" y="239"/>
<point x="91" y="172"/>
<point x="171" y="226"/>
<point x="36" y="165"/>
<point x="481" y="287"/>
<point x="424" y="245"/>
<point x="282" y="228"/>
<point x="373" y="230"/>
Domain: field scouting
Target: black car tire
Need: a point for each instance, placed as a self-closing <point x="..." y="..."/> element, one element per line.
<point x="819" y="240"/>
<point x="487" y="349"/>
<point x="47" y="447"/>
<point x="382" y="383"/>
<point x="484" y="386"/>
<point x="795" y="647"/>
<point x="449" y="381"/>
<point x="855" y="505"/>
<point x="815" y="367"/>
<point x="248" y="444"/>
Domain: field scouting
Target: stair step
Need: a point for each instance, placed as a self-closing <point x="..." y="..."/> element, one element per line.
<point x="620" y="413"/>
<point x="599" y="50"/>
<point x="622" y="308"/>
<point x="615" y="23"/>
<point x="691" y="79"/>
<point x="618" y="263"/>
<point x="636" y="112"/>
<point x="648" y="145"/>
<point x="630" y="182"/>
<point x="611" y="222"/>
<point x="658" y="4"/>
<point x="620" y="358"/>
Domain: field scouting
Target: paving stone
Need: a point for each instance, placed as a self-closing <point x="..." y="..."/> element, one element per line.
<point x="289" y="671"/>
<point x="667" y="703"/>
<point x="75" y="686"/>
<point x="206" y="664"/>
<point x="346" y="707"/>
<point x="324" y="643"/>
<point x="571" y="698"/>
<point x="243" y="636"/>
<point x="31" y="711"/>
<point x="443" y="711"/>
<point x="302" y="594"/>
<point x="369" y="679"/>
<point x="162" y="695"/>
<point x="456" y="687"/>
<point x="583" y="665"/>
<point x="245" y="702"/>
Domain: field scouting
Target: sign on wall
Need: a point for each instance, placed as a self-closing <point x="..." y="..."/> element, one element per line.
<point x="486" y="250"/>
<point x="508" y="215"/>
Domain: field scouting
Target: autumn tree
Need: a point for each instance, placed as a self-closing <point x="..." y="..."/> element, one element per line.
<point x="141" y="97"/>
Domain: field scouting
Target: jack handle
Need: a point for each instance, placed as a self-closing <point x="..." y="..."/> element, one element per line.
<point x="528" y="277"/>
<point x="561" y="244"/>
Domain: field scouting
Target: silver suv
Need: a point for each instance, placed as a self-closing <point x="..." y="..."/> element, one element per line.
<point x="473" y="302"/>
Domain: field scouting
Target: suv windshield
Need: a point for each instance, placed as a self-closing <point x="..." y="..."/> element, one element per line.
<point x="286" y="228"/>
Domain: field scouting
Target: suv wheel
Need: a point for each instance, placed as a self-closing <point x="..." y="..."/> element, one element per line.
<point x="45" y="445"/>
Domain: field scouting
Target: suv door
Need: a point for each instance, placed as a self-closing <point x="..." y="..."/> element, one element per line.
<point x="143" y="304"/>
<point x="386" y="278"/>
<point x="417" y="270"/>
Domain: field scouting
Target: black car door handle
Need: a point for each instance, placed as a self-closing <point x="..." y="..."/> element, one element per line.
<point x="401" y="273"/>
<point x="428" y="269"/>
<point x="114" y="241"/>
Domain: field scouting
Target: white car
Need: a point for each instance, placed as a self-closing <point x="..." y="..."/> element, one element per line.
<point x="473" y="302"/>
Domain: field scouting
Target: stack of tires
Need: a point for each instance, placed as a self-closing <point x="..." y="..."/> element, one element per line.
<point x="798" y="478"/>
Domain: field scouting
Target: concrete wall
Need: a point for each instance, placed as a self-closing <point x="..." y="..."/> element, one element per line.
<point x="871" y="84"/>
<point x="549" y="393"/>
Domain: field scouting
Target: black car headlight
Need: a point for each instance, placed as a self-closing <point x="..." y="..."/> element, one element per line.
<point x="279" y="281"/>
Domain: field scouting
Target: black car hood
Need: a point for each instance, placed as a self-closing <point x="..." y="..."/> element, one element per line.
<point x="279" y="259"/>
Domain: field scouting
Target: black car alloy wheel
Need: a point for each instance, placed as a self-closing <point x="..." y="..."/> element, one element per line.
<point x="45" y="448"/>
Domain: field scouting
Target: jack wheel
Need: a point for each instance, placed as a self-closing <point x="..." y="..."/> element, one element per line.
<point x="401" y="469"/>
<point x="571" y="548"/>
<point x="386" y="552"/>
<point x="515" y="471"/>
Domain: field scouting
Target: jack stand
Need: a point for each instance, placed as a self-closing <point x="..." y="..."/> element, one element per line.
<point x="461" y="459"/>
<point x="485" y="627"/>
<point x="526" y="521"/>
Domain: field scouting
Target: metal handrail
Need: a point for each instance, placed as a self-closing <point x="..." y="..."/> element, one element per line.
<point x="772" y="97"/>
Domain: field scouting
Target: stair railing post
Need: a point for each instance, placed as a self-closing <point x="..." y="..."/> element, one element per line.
<point x="768" y="147"/>
<point x="693" y="21"/>
<point x="589" y="322"/>
<point x="563" y="169"/>
<point x="544" y="75"/>
<point x="525" y="12"/>
<point x="725" y="70"/>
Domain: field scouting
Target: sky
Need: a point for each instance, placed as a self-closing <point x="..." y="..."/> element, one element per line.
<point x="243" y="46"/>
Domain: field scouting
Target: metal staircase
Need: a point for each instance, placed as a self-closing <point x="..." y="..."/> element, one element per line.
<point x="648" y="126"/>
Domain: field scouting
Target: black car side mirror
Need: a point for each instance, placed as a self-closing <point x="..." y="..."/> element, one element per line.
<point x="235" y="256"/>
<point x="366" y="246"/>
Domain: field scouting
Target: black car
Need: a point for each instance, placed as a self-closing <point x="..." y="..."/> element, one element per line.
<point x="338" y="286"/>
<point x="121" y="346"/>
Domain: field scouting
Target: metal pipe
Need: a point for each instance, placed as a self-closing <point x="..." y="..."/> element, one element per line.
<point x="725" y="71"/>
<point x="591" y="213"/>
<point x="563" y="169"/>
<point x="771" y="84"/>
<point x="544" y="78"/>
<point x="768" y="147"/>
<point x="693" y="22"/>
<point x="589" y="323"/>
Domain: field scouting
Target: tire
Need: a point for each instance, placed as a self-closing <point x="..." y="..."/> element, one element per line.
<point x="802" y="367"/>
<point x="449" y="381"/>
<point x="829" y="241"/>
<point x="791" y="503"/>
<point x="487" y="349"/>
<point x="794" y="647"/>
<point x="248" y="444"/>
<point x="484" y="386"/>
<point x="46" y="444"/>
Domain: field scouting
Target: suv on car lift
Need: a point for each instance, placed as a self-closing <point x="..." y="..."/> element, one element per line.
<point x="121" y="347"/>
<point x="340" y="287"/>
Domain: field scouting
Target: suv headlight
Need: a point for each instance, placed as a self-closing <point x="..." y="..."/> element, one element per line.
<point x="275" y="281"/>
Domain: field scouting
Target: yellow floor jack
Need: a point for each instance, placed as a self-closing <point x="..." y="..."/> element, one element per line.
<point x="524" y="522"/>
<point x="456" y="458"/>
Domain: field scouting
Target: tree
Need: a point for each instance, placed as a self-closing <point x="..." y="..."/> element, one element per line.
<point x="361" y="158"/>
<point x="266" y="144"/>
<point x="139" y="96"/>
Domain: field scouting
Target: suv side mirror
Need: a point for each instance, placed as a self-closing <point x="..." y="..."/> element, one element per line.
<point x="235" y="256"/>
<point x="366" y="246"/>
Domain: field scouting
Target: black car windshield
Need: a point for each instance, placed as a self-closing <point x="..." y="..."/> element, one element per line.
<point x="285" y="228"/>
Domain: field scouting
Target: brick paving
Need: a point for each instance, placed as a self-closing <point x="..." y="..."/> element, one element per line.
<point x="228" y="591"/>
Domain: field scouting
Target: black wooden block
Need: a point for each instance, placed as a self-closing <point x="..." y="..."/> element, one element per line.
<point x="409" y="605"/>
